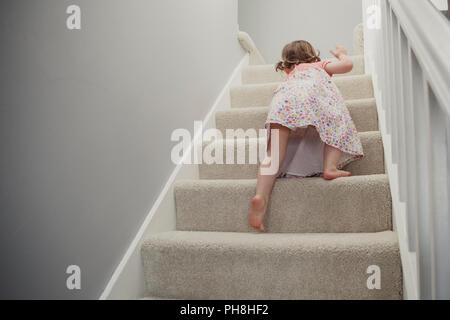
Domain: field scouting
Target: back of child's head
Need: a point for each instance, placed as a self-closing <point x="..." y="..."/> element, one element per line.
<point x="297" y="52"/>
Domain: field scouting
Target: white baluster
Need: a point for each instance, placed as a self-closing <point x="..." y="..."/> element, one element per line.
<point x="394" y="88"/>
<point x="399" y="46"/>
<point x="423" y="159"/>
<point x="387" y="81"/>
<point x="440" y="172"/>
<point x="411" y="168"/>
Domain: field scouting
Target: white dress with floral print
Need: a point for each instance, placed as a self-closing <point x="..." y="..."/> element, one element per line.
<point x="309" y="99"/>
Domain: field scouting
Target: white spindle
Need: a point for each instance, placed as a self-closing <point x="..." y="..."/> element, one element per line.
<point x="380" y="59"/>
<point x="424" y="191"/>
<point x="394" y="87"/>
<point x="387" y="83"/>
<point x="411" y="167"/>
<point x="399" y="71"/>
<point x="441" y="236"/>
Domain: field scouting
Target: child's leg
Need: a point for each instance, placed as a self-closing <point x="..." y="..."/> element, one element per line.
<point x="331" y="159"/>
<point x="266" y="179"/>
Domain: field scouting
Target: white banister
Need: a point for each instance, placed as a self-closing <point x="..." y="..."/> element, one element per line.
<point x="409" y="56"/>
<point x="429" y="34"/>
<point x="440" y="4"/>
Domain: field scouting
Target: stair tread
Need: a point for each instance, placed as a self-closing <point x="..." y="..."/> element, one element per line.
<point x="266" y="108"/>
<point x="338" y="80"/>
<point x="354" y="204"/>
<point x="266" y="73"/>
<point x="282" y="241"/>
<point x="259" y="138"/>
<point x="221" y="265"/>
<point x="312" y="180"/>
<point x="363" y="112"/>
<point x="249" y="95"/>
<point x="371" y="163"/>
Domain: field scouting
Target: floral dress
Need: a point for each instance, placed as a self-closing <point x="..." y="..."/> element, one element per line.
<point x="310" y="100"/>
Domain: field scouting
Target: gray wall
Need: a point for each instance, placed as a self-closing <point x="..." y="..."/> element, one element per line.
<point x="85" y="124"/>
<point x="274" y="23"/>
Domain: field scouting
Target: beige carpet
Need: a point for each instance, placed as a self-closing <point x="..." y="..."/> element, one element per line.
<point x="221" y="265"/>
<point x="257" y="95"/>
<point x="322" y="236"/>
<point x="363" y="112"/>
<point x="372" y="163"/>
<point x="265" y="73"/>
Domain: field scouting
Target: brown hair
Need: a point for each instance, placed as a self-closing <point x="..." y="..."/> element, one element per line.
<point x="295" y="53"/>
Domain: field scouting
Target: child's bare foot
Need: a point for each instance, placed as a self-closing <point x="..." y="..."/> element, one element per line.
<point x="257" y="212"/>
<point x="334" y="174"/>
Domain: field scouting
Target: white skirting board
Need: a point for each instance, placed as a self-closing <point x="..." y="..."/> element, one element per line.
<point x="409" y="259"/>
<point x="127" y="281"/>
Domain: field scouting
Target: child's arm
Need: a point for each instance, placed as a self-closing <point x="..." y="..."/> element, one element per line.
<point x="344" y="65"/>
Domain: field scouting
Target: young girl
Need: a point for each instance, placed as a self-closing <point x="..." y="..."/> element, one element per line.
<point x="315" y="133"/>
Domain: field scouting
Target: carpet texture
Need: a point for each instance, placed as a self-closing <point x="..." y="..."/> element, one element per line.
<point x="260" y="95"/>
<point x="355" y="204"/>
<point x="266" y="73"/>
<point x="363" y="112"/>
<point x="220" y="265"/>
<point x="372" y="163"/>
<point x="321" y="236"/>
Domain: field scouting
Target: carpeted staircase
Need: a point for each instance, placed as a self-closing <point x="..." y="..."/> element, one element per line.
<point x="322" y="236"/>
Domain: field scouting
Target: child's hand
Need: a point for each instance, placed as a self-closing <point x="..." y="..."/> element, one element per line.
<point x="344" y="63"/>
<point x="340" y="51"/>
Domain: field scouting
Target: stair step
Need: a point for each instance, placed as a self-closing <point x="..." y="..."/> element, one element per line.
<point x="372" y="163"/>
<point x="313" y="205"/>
<point x="266" y="73"/>
<point x="363" y="112"/>
<point x="258" y="95"/>
<point x="219" y="265"/>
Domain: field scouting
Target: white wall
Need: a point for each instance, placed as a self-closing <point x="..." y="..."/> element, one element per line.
<point x="274" y="23"/>
<point x="85" y="123"/>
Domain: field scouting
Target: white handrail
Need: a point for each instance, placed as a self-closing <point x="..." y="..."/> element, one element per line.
<point x="409" y="55"/>
<point x="428" y="32"/>
<point x="255" y="56"/>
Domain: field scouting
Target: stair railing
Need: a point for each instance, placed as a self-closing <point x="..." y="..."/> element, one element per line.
<point x="255" y="56"/>
<point x="409" y="56"/>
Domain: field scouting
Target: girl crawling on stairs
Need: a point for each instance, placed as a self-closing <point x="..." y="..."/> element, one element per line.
<point x="310" y="131"/>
